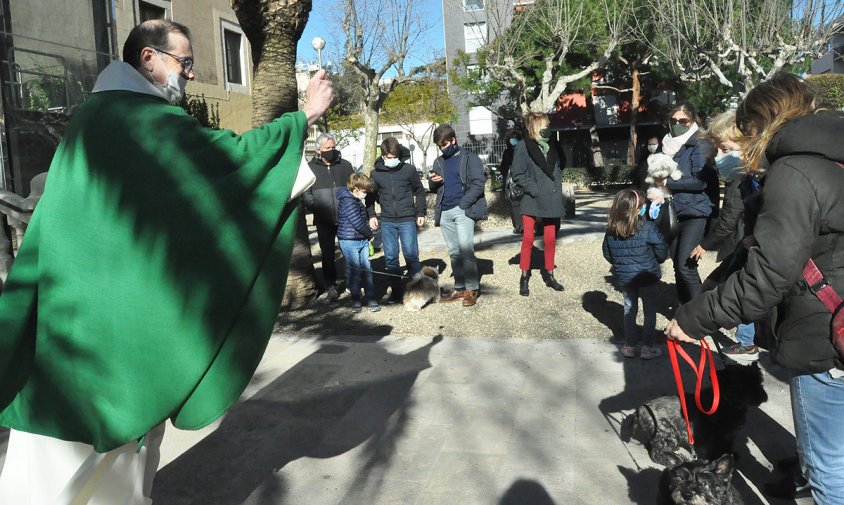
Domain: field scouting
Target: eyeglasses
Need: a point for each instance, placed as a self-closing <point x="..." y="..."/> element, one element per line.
<point x="683" y="121"/>
<point x="187" y="63"/>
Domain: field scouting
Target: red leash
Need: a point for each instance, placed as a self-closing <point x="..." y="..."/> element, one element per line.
<point x="705" y="353"/>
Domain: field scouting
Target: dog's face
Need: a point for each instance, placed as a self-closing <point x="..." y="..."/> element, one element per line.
<point x="430" y="272"/>
<point x="701" y="483"/>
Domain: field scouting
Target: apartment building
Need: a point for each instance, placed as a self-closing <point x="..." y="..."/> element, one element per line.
<point x="51" y="52"/>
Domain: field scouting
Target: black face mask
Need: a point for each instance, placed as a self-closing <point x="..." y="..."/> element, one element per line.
<point x="330" y="155"/>
<point x="545" y="134"/>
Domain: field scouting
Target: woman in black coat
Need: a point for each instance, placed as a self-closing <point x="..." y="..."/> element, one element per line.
<point x="537" y="168"/>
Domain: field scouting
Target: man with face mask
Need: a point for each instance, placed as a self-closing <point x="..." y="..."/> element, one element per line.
<point x="401" y="195"/>
<point x="458" y="179"/>
<point x="148" y="282"/>
<point x="332" y="172"/>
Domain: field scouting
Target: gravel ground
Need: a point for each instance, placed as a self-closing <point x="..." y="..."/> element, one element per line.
<point x="588" y="308"/>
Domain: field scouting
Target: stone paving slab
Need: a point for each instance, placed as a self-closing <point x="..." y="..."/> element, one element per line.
<point x="422" y="421"/>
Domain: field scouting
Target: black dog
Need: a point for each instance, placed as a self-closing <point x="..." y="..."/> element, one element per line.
<point x="659" y="424"/>
<point x="698" y="482"/>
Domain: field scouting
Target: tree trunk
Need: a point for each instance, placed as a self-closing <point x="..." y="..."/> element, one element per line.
<point x="370" y="137"/>
<point x="273" y="28"/>
<point x="634" y="117"/>
<point x="595" y="144"/>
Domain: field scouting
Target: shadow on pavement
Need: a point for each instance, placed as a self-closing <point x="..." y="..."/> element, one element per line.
<point x="524" y="492"/>
<point x="303" y="413"/>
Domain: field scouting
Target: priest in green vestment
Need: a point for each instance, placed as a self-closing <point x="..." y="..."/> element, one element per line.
<point x="152" y="270"/>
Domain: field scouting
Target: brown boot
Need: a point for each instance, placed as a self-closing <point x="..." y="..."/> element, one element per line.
<point x="470" y="298"/>
<point x="452" y="295"/>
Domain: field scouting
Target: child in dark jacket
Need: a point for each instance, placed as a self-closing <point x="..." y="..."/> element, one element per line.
<point x="635" y="248"/>
<point x="353" y="232"/>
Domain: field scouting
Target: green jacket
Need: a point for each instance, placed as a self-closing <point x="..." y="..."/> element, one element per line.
<point x="151" y="273"/>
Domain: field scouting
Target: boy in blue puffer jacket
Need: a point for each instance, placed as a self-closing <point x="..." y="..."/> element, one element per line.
<point x="635" y="248"/>
<point x="353" y="232"/>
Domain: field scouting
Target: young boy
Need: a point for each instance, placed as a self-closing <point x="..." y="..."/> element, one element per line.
<point x="353" y="232"/>
<point x="398" y="189"/>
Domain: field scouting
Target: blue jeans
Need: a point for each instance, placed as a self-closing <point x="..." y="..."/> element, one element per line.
<point x="689" y="234"/>
<point x="392" y="233"/>
<point x="817" y="403"/>
<point x="631" y="309"/>
<point x="459" y="235"/>
<point x="745" y="334"/>
<point x="356" y="253"/>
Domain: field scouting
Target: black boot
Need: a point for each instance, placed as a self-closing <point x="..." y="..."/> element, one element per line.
<point x="550" y="281"/>
<point x="523" y="283"/>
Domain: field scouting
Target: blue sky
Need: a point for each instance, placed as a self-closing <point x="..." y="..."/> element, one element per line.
<point x="322" y="24"/>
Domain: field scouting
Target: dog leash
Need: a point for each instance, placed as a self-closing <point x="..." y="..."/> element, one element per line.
<point x="705" y="353"/>
<point x="376" y="272"/>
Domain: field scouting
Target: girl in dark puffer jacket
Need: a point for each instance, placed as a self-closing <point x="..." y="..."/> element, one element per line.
<point x="635" y="248"/>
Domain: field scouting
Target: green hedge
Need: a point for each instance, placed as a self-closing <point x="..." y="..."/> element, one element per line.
<point x="831" y="87"/>
<point x="615" y="174"/>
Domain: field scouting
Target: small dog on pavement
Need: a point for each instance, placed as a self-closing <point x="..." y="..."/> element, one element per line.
<point x="699" y="483"/>
<point x="422" y="289"/>
<point x="659" y="424"/>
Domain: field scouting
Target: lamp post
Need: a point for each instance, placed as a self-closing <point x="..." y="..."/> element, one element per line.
<point x="318" y="43"/>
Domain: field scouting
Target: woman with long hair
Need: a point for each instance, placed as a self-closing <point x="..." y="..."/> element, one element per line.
<point x="694" y="195"/>
<point x="537" y="168"/>
<point x="801" y="218"/>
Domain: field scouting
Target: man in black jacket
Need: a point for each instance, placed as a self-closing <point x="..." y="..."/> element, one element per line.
<point x="331" y="172"/>
<point x="397" y="188"/>
<point x="458" y="178"/>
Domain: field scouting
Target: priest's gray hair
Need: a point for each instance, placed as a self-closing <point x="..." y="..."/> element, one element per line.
<point x="323" y="138"/>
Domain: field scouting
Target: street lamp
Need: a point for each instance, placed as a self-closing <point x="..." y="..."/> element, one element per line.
<point x="318" y="43"/>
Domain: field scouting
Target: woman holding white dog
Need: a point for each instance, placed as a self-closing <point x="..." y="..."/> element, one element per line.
<point x="691" y="195"/>
<point x="536" y="168"/>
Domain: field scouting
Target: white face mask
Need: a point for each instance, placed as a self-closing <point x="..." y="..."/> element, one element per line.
<point x="360" y="194"/>
<point x="391" y="162"/>
<point x="652" y="148"/>
<point x="174" y="88"/>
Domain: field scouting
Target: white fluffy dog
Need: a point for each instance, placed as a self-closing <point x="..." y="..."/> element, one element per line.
<point x="661" y="166"/>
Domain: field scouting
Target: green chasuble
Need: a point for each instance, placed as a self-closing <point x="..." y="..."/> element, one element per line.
<point x="151" y="273"/>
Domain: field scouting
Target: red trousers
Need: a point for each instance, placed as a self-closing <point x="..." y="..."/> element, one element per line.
<point x="549" y="235"/>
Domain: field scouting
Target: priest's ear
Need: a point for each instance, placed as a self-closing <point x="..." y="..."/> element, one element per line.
<point x="147" y="54"/>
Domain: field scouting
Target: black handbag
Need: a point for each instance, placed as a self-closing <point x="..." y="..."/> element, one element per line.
<point x="512" y="191"/>
<point x="666" y="221"/>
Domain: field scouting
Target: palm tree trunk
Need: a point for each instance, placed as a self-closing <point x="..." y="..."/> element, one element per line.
<point x="273" y="28"/>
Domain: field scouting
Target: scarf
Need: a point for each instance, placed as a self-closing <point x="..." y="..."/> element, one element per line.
<point x="547" y="160"/>
<point x="671" y="145"/>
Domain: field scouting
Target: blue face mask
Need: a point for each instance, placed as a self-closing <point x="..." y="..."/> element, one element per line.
<point x="513" y="142"/>
<point x="729" y="166"/>
<point x="449" y="150"/>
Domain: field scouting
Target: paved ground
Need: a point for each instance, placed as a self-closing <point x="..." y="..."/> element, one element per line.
<point x="422" y="420"/>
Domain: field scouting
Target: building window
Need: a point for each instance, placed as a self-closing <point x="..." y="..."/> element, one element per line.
<point x="149" y="11"/>
<point x="474" y="36"/>
<point x="480" y="121"/>
<point x="473" y="5"/>
<point x="234" y="58"/>
<point x="232" y="44"/>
